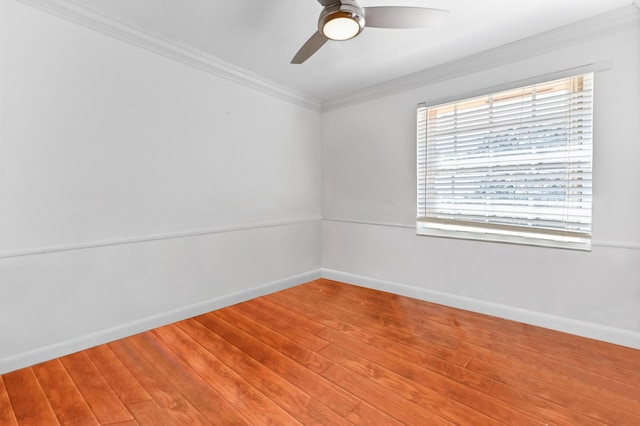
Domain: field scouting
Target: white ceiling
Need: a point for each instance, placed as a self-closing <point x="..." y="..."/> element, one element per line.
<point x="261" y="36"/>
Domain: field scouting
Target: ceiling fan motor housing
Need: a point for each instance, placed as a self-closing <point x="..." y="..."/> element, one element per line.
<point x="345" y="11"/>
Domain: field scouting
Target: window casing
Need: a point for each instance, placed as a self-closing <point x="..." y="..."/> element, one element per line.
<point x="513" y="166"/>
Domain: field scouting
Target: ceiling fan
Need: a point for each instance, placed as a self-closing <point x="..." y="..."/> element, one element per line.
<point x="345" y="19"/>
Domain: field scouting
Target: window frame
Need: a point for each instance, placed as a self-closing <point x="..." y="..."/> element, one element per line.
<point x="496" y="232"/>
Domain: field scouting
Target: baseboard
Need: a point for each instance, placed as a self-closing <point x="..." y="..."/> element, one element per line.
<point x="35" y="356"/>
<point x="580" y="328"/>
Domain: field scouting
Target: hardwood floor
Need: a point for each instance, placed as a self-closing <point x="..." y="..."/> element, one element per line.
<point x="332" y="354"/>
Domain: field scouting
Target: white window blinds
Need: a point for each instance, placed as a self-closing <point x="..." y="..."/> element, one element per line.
<point x="513" y="166"/>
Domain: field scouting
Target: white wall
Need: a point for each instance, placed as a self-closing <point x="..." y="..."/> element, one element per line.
<point x="133" y="186"/>
<point x="369" y="186"/>
<point x="135" y="191"/>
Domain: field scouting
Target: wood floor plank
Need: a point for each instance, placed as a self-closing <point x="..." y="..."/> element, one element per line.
<point x="434" y="364"/>
<point x="625" y="358"/>
<point x="551" y="411"/>
<point x="345" y="309"/>
<point x="302" y="322"/>
<point x="290" y="330"/>
<point x="408" y="390"/>
<point x="283" y="299"/>
<point x="587" y="360"/>
<point x="375" y="395"/>
<point x="180" y="390"/>
<point x="67" y="402"/>
<point x="376" y="331"/>
<point x="625" y="396"/>
<point x="29" y="402"/>
<point x="148" y="413"/>
<point x="328" y="393"/>
<point x="572" y="395"/>
<point x="267" y="336"/>
<point x="235" y="389"/>
<point x="296" y="402"/>
<point x="125" y="423"/>
<point x="330" y="353"/>
<point x="103" y="401"/>
<point x="366" y="414"/>
<point x="584" y="351"/>
<point x="123" y="384"/>
<point x="525" y="340"/>
<point x="338" y="317"/>
<point x="449" y="388"/>
<point x="388" y="302"/>
<point x="494" y="333"/>
<point x="7" y="416"/>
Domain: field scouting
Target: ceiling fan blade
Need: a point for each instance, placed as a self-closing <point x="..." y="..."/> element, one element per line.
<point x="402" y="17"/>
<point x="312" y="45"/>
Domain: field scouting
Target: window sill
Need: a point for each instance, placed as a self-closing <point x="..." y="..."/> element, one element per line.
<point x="478" y="234"/>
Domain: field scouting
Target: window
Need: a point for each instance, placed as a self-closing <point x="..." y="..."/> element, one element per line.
<point x="513" y="166"/>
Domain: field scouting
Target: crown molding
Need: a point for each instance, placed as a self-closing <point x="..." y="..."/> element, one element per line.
<point x="80" y="13"/>
<point x="607" y="23"/>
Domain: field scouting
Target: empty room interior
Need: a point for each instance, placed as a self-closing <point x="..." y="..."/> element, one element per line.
<point x="242" y="213"/>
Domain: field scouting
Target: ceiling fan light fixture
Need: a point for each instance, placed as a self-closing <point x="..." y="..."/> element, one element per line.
<point x="341" y="22"/>
<point x="340" y="27"/>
